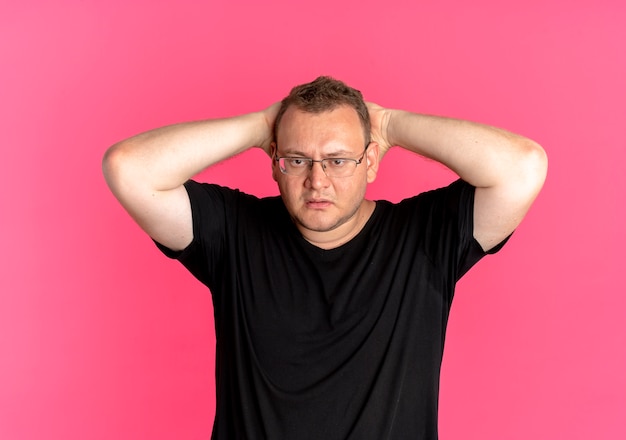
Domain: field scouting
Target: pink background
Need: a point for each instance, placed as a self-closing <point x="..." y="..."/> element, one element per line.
<point x="101" y="337"/>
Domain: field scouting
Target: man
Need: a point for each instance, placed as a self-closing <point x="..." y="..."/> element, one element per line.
<point x="330" y="309"/>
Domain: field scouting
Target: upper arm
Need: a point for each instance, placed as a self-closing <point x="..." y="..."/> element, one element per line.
<point x="164" y="215"/>
<point x="499" y="209"/>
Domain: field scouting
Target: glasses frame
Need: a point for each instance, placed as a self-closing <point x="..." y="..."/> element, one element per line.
<point x="357" y="162"/>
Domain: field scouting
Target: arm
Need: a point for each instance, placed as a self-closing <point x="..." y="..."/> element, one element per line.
<point x="507" y="170"/>
<point x="146" y="173"/>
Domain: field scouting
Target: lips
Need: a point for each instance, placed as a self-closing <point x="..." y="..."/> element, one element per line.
<point x="318" y="203"/>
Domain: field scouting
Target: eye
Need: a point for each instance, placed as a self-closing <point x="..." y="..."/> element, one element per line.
<point x="337" y="163"/>
<point x="297" y="162"/>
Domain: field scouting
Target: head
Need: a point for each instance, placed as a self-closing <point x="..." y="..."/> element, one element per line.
<point x="325" y="119"/>
<point x="322" y="95"/>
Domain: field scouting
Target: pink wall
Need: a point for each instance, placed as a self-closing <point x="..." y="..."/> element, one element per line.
<point x="103" y="338"/>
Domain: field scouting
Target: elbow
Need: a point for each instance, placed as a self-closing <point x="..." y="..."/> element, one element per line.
<point x="532" y="166"/>
<point x="110" y="163"/>
<point x="115" y="165"/>
<point x="537" y="162"/>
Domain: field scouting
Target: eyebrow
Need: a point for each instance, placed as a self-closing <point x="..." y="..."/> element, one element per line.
<point x="298" y="153"/>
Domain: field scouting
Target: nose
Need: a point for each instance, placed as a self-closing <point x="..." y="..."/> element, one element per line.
<point x="317" y="177"/>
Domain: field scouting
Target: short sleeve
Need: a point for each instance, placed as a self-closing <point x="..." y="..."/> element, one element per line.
<point x="451" y="228"/>
<point x="203" y="257"/>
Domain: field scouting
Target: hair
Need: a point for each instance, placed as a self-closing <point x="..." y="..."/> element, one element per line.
<point x="322" y="95"/>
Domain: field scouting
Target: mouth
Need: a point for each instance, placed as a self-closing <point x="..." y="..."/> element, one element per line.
<point x="318" y="203"/>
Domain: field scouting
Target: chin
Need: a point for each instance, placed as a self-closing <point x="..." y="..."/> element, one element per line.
<point x="318" y="225"/>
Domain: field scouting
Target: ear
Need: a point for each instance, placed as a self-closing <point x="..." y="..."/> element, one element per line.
<point x="372" y="161"/>
<point x="275" y="170"/>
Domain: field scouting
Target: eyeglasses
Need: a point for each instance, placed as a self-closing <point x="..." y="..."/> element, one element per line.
<point x="333" y="167"/>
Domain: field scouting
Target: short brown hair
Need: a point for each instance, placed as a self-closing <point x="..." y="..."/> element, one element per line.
<point x="325" y="94"/>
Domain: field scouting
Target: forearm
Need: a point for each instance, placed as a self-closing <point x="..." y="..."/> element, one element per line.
<point x="165" y="158"/>
<point x="482" y="155"/>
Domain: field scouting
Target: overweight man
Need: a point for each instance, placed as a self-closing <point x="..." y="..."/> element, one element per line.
<point x="330" y="309"/>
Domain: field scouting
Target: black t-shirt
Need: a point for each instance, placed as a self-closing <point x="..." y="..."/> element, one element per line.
<point x="340" y="344"/>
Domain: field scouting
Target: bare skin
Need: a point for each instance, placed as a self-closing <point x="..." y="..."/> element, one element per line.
<point x="147" y="172"/>
<point x="508" y="170"/>
<point x="327" y="211"/>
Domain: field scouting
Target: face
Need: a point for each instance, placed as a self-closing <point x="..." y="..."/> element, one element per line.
<point x="325" y="209"/>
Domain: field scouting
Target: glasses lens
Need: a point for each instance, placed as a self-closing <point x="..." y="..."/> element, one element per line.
<point x="339" y="167"/>
<point x="332" y="167"/>
<point x="294" y="166"/>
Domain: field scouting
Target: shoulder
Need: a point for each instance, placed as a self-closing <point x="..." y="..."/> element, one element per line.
<point x="231" y="204"/>
<point x="450" y="200"/>
<point x="211" y="192"/>
<point x="442" y="215"/>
